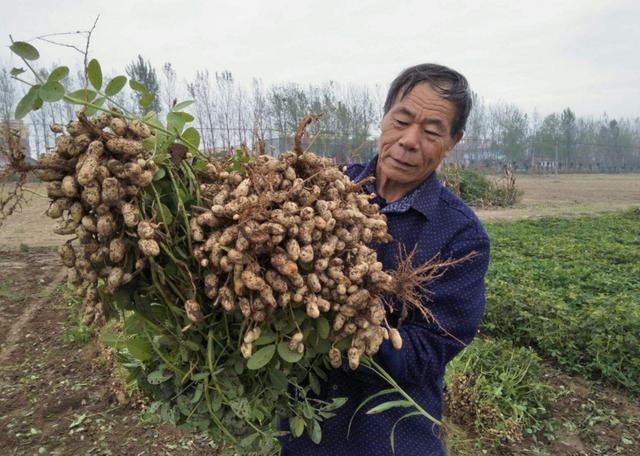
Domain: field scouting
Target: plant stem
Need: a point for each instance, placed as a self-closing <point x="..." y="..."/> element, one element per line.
<point x="214" y="417"/>
<point x="22" y="80"/>
<point x="29" y="66"/>
<point x="375" y="367"/>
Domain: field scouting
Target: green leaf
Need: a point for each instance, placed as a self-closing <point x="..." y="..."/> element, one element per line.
<point x="25" y="105"/>
<point x="248" y="440"/>
<point x="279" y="380"/>
<point x="91" y="110"/>
<point x="180" y="106"/>
<point x="115" y="86"/>
<point x="137" y="86"/>
<point x="315" y="433"/>
<point x="52" y="91"/>
<point x="393" y="428"/>
<point x="146" y="100"/>
<point x="58" y="74"/>
<point x="37" y="103"/>
<point x="25" y="50"/>
<point x="186" y="116"/>
<point x="308" y="411"/>
<point x="191" y="345"/>
<point x="184" y="405"/>
<point x="154" y="406"/>
<point x="17" y="71"/>
<point x="192" y="136"/>
<point x="296" y="424"/>
<point x="314" y="383"/>
<point x="160" y="173"/>
<point x="389" y="405"/>
<point x="238" y="366"/>
<point x="175" y="122"/>
<point x="134" y="324"/>
<point x="140" y="347"/>
<point x="365" y="402"/>
<point x="169" y="414"/>
<point x="199" y="389"/>
<point x="323" y="346"/>
<point x="159" y="376"/>
<point x="266" y="337"/>
<point x="343" y="344"/>
<point x="323" y="327"/>
<point x="114" y="340"/>
<point x="287" y="354"/>
<point x="163" y="340"/>
<point x="337" y="403"/>
<point x="82" y="96"/>
<point x="261" y="358"/>
<point x="95" y="74"/>
<point x="165" y="215"/>
<point x="200" y="165"/>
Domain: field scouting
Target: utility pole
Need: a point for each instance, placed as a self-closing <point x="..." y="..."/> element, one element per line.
<point x="556" y="163"/>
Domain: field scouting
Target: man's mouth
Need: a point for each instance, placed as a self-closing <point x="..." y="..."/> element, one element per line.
<point x="400" y="163"/>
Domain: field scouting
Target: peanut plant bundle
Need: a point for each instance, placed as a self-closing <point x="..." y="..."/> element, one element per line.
<point x="239" y="281"/>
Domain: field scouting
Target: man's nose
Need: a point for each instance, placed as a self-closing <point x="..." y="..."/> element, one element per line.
<point x="410" y="138"/>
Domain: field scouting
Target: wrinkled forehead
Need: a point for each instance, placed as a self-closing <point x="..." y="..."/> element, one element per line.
<point x="425" y="102"/>
<point x="439" y="89"/>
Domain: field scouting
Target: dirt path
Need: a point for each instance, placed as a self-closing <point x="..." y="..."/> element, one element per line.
<point x="58" y="398"/>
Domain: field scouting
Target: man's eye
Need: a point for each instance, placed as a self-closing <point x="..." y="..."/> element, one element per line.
<point x="402" y="122"/>
<point x="432" y="133"/>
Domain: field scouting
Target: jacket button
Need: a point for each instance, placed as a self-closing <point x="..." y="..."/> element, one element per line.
<point x="334" y="387"/>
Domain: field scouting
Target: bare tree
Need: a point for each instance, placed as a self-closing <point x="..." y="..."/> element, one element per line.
<point x="204" y="107"/>
<point x="169" y="90"/>
<point x="7" y="95"/>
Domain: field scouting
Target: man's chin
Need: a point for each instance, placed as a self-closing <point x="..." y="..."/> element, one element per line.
<point x="398" y="175"/>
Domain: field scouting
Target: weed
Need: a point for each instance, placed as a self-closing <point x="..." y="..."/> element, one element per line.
<point x="494" y="390"/>
<point x="24" y="248"/>
<point x="477" y="190"/>
<point x="8" y="293"/>
<point x="75" y="332"/>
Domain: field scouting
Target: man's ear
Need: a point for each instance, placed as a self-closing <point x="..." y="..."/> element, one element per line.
<point x="457" y="138"/>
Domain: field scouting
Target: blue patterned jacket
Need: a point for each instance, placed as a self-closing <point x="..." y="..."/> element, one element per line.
<point x="435" y="221"/>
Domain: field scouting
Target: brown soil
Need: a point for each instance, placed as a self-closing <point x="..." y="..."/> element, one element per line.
<point x="59" y="398"/>
<point x="585" y="420"/>
<point x="592" y="420"/>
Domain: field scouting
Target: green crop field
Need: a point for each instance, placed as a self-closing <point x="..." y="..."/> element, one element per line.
<point x="566" y="291"/>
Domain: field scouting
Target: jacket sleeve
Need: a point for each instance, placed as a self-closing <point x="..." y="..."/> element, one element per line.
<point x="457" y="302"/>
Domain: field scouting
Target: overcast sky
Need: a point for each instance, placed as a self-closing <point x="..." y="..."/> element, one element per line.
<point x="583" y="54"/>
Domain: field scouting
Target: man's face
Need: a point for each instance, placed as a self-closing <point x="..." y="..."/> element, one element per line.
<point x="416" y="136"/>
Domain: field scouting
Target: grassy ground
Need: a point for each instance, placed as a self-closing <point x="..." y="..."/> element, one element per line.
<point x="567" y="292"/>
<point x="571" y="289"/>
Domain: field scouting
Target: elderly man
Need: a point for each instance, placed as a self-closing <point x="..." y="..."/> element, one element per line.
<point x="424" y="118"/>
